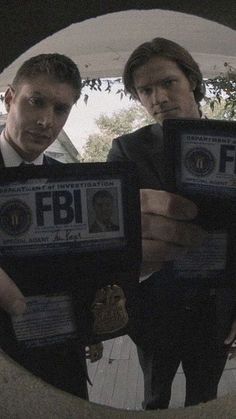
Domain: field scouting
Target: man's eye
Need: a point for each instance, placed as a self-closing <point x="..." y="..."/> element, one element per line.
<point x="168" y="82"/>
<point x="62" y="109"/>
<point x="36" y="101"/>
<point x="147" y="91"/>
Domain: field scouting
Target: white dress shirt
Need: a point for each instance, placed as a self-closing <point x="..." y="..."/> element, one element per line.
<point x="11" y="157"/>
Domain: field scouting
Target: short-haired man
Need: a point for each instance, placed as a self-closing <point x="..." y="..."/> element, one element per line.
<point x="188" y="324"/>
<point x="103" y="208"/>
<point x="38" y="103"/>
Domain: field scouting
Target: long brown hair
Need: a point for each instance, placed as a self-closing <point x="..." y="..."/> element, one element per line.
<point x="168" y="49"/>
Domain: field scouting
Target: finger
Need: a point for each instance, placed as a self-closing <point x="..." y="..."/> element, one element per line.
<point x="98" y="356"/>
<point x="100" y="344"/>
<point x="156" y="227"/>
<point x="155" y="252"/>
<point x="109" y="294"/>
<point x="11" y="299"/>
<point x="95" y="357"/>
<point x="167" y="204"/>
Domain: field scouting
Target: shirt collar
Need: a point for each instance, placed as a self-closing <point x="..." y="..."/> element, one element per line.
<point x="11" y="157"/>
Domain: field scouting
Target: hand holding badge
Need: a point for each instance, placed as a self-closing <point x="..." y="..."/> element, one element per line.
<point x="109" y="310"/>
<point x="94" y="352"/>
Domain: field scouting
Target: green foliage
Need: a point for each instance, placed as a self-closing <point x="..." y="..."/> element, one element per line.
<point x="110" y="127"/>
<point x="221" y="96"/>
<point x="218" y="110"/>
<point x="102" y="85"/>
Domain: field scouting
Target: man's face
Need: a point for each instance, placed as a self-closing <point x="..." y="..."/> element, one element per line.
<point x="164" y="90"/>
<point x="37" y="111"/>
<point x="103" y="209"/>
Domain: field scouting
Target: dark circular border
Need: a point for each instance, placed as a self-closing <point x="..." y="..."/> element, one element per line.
<point x="15" y="217"/>
<point x="199" y="161"/>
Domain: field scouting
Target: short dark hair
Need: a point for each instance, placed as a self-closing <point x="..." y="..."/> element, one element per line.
<point x="168" y="49"/>
<point x="103" y="193"/>
<point x="58" y="66"/>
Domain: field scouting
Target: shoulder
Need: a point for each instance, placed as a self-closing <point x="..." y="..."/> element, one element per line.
<point x="141" y="133"/>
<point x="125" y="146"/>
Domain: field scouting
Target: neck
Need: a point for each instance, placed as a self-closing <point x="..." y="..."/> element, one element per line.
<point x="25" y="156"/>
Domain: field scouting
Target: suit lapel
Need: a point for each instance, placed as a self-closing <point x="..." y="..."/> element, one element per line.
<point x="1" y="161"/>
<point x="49" y="161"/>
<point x="45" y="160"/>
<point x="1" y="158"/>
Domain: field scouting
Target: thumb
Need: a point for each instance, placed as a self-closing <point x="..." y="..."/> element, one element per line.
<point x="11" y="299"/>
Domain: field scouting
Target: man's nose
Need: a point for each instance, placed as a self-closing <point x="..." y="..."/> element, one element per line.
<point x="45" y="119"/>
<point x="159" y="95"/>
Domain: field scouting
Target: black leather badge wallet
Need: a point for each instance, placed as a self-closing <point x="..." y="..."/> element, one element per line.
<point x="201" y="156"/>
<point x="70" y="239"/>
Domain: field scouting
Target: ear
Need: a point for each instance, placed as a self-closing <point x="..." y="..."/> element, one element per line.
<point x="9" y="94"/>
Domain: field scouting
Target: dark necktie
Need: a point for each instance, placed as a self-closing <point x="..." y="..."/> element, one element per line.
<point x="26" y="164"/>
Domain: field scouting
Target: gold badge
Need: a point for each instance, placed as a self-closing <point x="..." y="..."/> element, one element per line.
<point x="109" y="310"/>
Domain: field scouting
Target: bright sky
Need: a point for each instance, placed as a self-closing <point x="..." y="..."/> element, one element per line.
<point x="81" y="121"/>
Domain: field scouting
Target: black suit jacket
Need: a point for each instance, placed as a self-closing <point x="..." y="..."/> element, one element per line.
<point x="144" y="147"/>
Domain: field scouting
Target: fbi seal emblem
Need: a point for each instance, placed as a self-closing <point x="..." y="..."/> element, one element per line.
<point x="15" y="217"/>
<point x="199" y="161"/>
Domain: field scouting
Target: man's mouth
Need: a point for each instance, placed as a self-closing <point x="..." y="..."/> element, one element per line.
<point x="165" y="111"/>
<point x="39" y="135"/>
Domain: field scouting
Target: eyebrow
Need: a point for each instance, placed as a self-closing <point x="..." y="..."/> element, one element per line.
<point x="37" y="93"/>
<point x="145" y="86"/>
